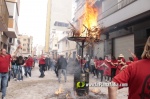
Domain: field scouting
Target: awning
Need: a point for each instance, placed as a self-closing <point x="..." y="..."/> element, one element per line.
<point x="10" y="34"/>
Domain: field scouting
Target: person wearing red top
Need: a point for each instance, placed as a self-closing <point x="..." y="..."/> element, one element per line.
<point x="107" y="70"/>
<point x="99" y="68"/>
<point x="128" y="63"/>
<point x="82" y="63"/>
<point x="133" y="55"/>
<point x="137" y="76"/>
<point x="42" y="66"/>
<point x="113" y="64"/>
<point x="28" y="66"/>
<point x="4" y="69"/>
<point x="121" y="62"/>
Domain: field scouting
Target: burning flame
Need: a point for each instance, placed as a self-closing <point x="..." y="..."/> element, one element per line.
<point x="66" y="95"/>
<point x="96" y="91"/>
<point x="89" y="19"/>
<point x="59" y="91"/>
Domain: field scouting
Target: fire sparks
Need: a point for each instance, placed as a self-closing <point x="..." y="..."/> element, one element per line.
<point x="89" y="19"/>
<point x="59" y="91"/>
<point x="96" y="91"/>
<point x="66" y="95"/>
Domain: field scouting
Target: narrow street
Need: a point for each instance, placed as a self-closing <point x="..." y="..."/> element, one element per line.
<point x="45" y="88"/>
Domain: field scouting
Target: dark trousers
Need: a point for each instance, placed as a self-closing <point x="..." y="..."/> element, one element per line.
<point x="113" y="73"/>
<point x="42" y="69"/>
<point x="56" y="71"/>
<point x="47" y="67"/>
<point x="101" y="72"/>
<point x="28" y="71"/>
<point x="93" y="69"/>
<point x="107" y="77"/>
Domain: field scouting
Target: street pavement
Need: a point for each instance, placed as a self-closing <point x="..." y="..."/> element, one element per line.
<point x="45" y="88"/>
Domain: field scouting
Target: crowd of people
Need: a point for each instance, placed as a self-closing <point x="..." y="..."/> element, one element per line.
<point x="134" y="72"/>
<point x="137" y="77"/>
<point x="17" y="67"/>
<point x="105" y="68"/>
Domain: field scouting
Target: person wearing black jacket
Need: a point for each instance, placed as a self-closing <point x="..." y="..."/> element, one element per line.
<point x="20" y="63"/>
<point x="47" y="62"/>
<point x="62" y="66"/>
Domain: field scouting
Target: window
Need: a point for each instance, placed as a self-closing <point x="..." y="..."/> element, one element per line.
<point x="10" y="40"/>
<point x="24" y="44"/>
<point x="24" y="39"/>
<point x="24" y="49"/>
<point x="55" y="45"/>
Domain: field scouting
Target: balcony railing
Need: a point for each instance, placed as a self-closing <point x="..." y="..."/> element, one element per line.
<point x="115" y="8"/>
<point x="4" y="14"/>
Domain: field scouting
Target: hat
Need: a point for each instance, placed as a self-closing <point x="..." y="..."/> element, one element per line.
<point x="121" y="55"/>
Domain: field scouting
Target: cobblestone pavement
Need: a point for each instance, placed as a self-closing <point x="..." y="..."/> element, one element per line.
<point x="45" y="88"/>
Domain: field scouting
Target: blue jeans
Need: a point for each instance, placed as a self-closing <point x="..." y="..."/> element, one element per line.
<point x="14" y="70"/>
<point x="3" y="83"/>
<point x="64" y="72"/>
<point x="20" y="76"/>
<point x="28" y="71"/>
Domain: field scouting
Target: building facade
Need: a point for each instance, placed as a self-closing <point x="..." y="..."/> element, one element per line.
<point x="26" y="43"/>
<point x="66" y="47"/>
<point x="9" y="30"/>
<point x="60" y="16"/>
<point x="127" y="26"/>
<point x="4" y="15"/>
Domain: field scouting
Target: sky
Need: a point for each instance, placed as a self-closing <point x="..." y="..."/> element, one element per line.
<point x="32" y="19"/>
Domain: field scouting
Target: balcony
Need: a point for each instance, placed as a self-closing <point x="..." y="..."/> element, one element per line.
<point x="12" y="28"/>
<point x="116" y="12"/>
<point x="3" y="16"/>
<point x="15" y="1"/>
<point x="12" y="0"/>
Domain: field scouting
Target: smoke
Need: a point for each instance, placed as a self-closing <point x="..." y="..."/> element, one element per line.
<point x="73" y="67"/>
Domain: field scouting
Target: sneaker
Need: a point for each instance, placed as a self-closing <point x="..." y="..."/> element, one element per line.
<point x="3" y="98"/>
